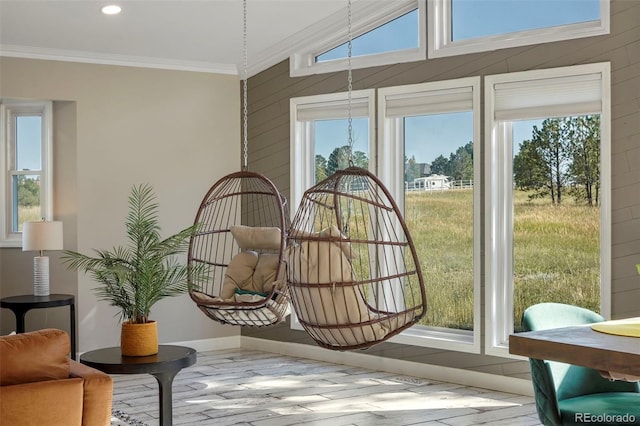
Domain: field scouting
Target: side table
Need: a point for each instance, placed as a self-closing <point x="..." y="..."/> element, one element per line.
<point x="20" y="305"/>
<point x="163" y="366"/>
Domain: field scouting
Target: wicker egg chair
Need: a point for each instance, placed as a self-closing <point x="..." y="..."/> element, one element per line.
<point x="353" y="273"/>
<point x="241" y="241"/>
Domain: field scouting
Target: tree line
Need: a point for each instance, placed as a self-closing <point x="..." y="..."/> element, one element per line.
<point x="562" y="158"/>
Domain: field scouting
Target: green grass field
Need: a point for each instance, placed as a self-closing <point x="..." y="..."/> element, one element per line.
<point x="556" y="254"/>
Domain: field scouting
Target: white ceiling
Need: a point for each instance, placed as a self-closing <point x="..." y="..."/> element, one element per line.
<point x="199" y="35"/>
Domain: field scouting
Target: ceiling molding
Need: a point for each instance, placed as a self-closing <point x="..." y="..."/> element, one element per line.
<point x="330" y="28"/>
<point x="28" y="52"/>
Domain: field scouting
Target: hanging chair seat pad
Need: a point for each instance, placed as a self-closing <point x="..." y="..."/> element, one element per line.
<point x="334" y="310"/>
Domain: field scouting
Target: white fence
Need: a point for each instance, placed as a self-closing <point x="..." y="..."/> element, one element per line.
<point x="422" y="184"/>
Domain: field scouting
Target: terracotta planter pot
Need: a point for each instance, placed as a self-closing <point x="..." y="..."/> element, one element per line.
<point x="139" y="339"/>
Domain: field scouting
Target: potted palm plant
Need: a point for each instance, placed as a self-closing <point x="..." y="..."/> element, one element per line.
<point x="136" y="276"/>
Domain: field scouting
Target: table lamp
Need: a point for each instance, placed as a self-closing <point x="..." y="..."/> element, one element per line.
<point x="41" y="236"/>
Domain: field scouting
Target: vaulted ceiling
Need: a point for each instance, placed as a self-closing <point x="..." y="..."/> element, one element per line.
<point x="200" y="35"/>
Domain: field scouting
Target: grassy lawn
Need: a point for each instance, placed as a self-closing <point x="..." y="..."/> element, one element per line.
<point x="556" y="254"/>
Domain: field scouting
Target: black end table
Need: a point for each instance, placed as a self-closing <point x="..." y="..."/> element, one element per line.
<point x="163" y="366"/>
<point x="20" y="305"/>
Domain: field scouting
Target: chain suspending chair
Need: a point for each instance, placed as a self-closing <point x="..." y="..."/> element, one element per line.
<point x="240" y="245"/>
<point x="353" y="272"/>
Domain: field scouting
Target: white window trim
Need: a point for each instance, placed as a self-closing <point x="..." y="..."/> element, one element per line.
<point x="8" y="109"/>
<point x="391" y="173"/>
<point x="366" y="17"/>
<point x="498" y="204"/>
<point x="439" y="33"/>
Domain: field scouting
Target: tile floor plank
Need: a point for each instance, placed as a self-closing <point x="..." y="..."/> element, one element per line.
<point x="242" y="387"/>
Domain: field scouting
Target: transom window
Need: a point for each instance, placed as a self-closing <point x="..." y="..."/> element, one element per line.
<point x="459" y="27"/>
<point x="382" y="33"/>
<point x="398" y="34"/>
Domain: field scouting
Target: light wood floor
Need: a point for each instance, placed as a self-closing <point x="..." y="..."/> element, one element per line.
<point x="245" y="387"/>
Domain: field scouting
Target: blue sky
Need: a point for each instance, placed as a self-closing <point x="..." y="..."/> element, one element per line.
<point x="29" y="142"/>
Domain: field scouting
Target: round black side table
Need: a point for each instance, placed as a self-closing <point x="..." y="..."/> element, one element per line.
<point x="22" y="304"/>
<point x="163" y="366"/>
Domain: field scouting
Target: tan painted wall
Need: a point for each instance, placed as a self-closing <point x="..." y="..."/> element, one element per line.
<point x="116" y="127"/>
<point x="271" y="90"/>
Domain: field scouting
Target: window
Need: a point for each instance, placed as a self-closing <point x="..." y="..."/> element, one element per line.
<point x="26" y="167"/>
<point x="319" y="137"/>
<point x="382" y="33"/>
<point x="547" y="194"/>
<point x="398" y="34"/>
<point x="429" y="158"/>
<point x="467" y="26"/>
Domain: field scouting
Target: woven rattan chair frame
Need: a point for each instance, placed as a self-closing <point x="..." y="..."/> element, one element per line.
<point x="359" y="283"/>
<point x="241" y="198"/>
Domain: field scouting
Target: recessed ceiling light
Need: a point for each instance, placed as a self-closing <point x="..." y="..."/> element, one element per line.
<point x="112" y="9"/>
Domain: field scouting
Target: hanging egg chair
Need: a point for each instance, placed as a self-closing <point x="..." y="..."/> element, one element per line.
<point x="353" y="273"/>
<point x="238" y="251"/>
<point x="236" y="257"/>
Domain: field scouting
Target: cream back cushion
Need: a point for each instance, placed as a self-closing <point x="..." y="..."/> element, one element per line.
<point x="257" y="237"/>
<point x="327" y="262"/>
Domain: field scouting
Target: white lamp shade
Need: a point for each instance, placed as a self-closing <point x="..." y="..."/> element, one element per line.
<point x="41" y="236"/>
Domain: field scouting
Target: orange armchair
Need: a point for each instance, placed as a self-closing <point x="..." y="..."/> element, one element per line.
<point x="40" y="385"/>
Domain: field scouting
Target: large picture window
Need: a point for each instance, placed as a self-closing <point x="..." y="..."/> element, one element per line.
<point x="429" y="149"/>
<point x="547" y="194"/>
<point x="26" y="171"/>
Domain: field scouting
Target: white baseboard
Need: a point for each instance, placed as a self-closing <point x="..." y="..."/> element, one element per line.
<point x="409" y="368"/>
<point x="357" y="359"/>
<point x="212" y="344"/>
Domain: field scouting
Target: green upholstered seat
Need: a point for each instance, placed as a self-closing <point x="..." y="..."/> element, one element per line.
<point x="568" y="394"/>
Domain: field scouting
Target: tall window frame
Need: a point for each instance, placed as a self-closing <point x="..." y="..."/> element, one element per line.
<point x="10" y="109"/>
<point x="303" y="112"/>
<point x="439" y="13"/>
<point x="394" y="104"/>
<point x="366" y="17"/>
<point x="545" y="93"/>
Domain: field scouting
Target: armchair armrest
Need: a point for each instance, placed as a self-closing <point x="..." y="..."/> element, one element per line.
<point x="97" y="394"/>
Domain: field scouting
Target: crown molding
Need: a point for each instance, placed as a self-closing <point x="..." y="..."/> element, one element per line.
<point x="365" y="15"/>
<point x="28" y="52"/>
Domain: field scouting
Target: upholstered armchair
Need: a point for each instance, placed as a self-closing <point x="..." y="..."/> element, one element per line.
<point x="40" y="385"/>
<point x="565" y="393"/>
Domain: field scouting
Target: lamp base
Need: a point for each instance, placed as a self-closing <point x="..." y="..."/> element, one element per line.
<point x="41" y="276"/>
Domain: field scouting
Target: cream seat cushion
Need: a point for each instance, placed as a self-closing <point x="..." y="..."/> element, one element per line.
<point x="334" y="303"/>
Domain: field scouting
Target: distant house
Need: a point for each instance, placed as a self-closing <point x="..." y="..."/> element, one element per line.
<point x="430" y="183"/>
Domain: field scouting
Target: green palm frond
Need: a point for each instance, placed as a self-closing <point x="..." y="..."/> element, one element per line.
<point x="134" y="277"/>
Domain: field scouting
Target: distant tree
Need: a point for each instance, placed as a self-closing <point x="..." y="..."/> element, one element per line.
<point x="461" y="163"/>
<point x="583" y="135"/>
<point x="411" y="169"/>
<point x="440" y="166"/>
<point x="321" y="168"/>
<point x="339" y="159"/>
<point x="530" y="171"/>
<point x="562" y="156"/>
<point x="360" y="159"/>
<point x="28" y="192"/>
